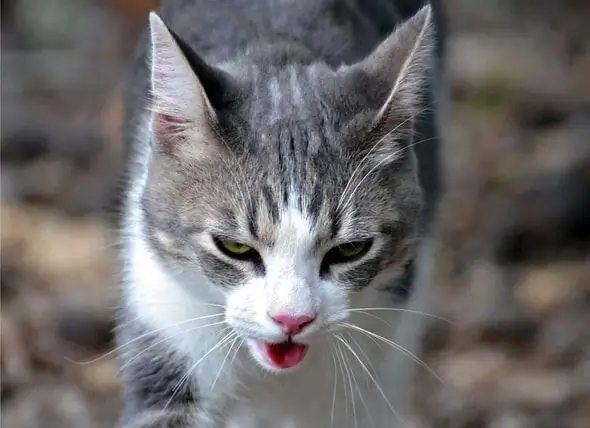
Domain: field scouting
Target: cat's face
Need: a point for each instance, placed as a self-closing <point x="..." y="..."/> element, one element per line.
<point x="293" y="190"/>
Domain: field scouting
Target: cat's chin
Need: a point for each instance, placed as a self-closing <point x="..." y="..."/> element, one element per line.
<point x="277" y="357"/>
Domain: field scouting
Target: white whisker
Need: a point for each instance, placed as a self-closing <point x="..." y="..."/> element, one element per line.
<point x="365" y="158"/>
<point x="396" y="346"/>
<point x="356" y="383"/>
<point x="185" y="377"/>
<point x="351" y="337"/>
<point x="408" y="311"/>
<point x="349" y="379"/>
<point x="331" y="344"/>
<point x="165" y="339"/>
<point x="231" y="346"/>
<point x="341" y="367"/>
<point x="236" y="352"/>
<point x="142" y="336"/>
<point x="372" y="378"/>
<point x="378" y="164"/>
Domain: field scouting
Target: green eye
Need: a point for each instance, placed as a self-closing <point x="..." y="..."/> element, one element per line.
<point x="235" y="247"/>
<point x="237" y="250"/>
<point x="351" y="249"/>
<point x="345" y="253"/>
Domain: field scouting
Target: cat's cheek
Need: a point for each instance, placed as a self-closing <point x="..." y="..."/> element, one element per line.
<point x="246" y="305"/>
<point x="335" y="303"/>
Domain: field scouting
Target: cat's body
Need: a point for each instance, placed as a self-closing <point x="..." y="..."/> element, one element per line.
<point x="269" y="185"/>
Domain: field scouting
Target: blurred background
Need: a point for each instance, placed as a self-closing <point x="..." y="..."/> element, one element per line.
<point x="512" y="270"/>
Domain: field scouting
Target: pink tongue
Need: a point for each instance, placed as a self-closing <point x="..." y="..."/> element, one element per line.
<point x="286" y="354"/>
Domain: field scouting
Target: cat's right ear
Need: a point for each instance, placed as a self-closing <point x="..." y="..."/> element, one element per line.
<point x="181" y="109"/>
<point x="398" y="72"/>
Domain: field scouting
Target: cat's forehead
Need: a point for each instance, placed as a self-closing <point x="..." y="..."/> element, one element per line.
<point x="296" y="228"/>
<point x="284" y="203"/>
<point x="297" y="161"/>
<point x="293" y="92"/>
<point x="309" y="221"/>
<point x="289" y="120"/>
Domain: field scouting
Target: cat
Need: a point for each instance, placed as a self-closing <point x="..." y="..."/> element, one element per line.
<point x="275" y="213"/>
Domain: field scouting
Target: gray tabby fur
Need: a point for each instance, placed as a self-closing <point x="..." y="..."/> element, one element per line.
<point x="274" y="124"/>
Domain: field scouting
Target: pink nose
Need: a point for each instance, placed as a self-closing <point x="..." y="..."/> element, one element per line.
<point x="293" y="324"/>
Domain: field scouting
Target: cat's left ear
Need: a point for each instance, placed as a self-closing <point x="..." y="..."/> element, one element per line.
<point x="180" y="102"/>
<point x="399" y="66"/>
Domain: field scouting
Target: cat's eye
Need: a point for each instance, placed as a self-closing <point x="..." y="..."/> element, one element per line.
<point x="240" y="251"/>
<point x="233" y="247"/>
<point x="351" y="249"/>
<point x="345" y="253"/>
<point x="237" y="250"/>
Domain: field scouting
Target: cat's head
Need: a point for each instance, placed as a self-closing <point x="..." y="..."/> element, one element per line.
<point x="290" y="186"/>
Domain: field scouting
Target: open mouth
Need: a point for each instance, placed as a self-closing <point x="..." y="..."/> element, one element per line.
<point x="283" y="355"/>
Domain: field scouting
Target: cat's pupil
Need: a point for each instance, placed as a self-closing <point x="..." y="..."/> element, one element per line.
<point x="344" y="253"/>
<point x="351" y="249"/>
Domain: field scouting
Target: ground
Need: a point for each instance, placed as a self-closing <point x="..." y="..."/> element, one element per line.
<point x="512" y="269"/>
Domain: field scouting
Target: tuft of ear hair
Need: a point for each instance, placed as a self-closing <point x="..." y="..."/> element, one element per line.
<point x="398" y="70"/>
<point x="179" y="103"/>
<point x="403" y="61"/>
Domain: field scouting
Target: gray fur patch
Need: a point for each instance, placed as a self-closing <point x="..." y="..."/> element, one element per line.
<point x="149" y="382"/>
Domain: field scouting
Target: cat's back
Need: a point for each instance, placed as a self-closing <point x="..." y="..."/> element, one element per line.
<point x="329" y="29"/>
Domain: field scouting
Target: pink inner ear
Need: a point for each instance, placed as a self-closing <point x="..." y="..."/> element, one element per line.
<point x="169" y="130"/>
